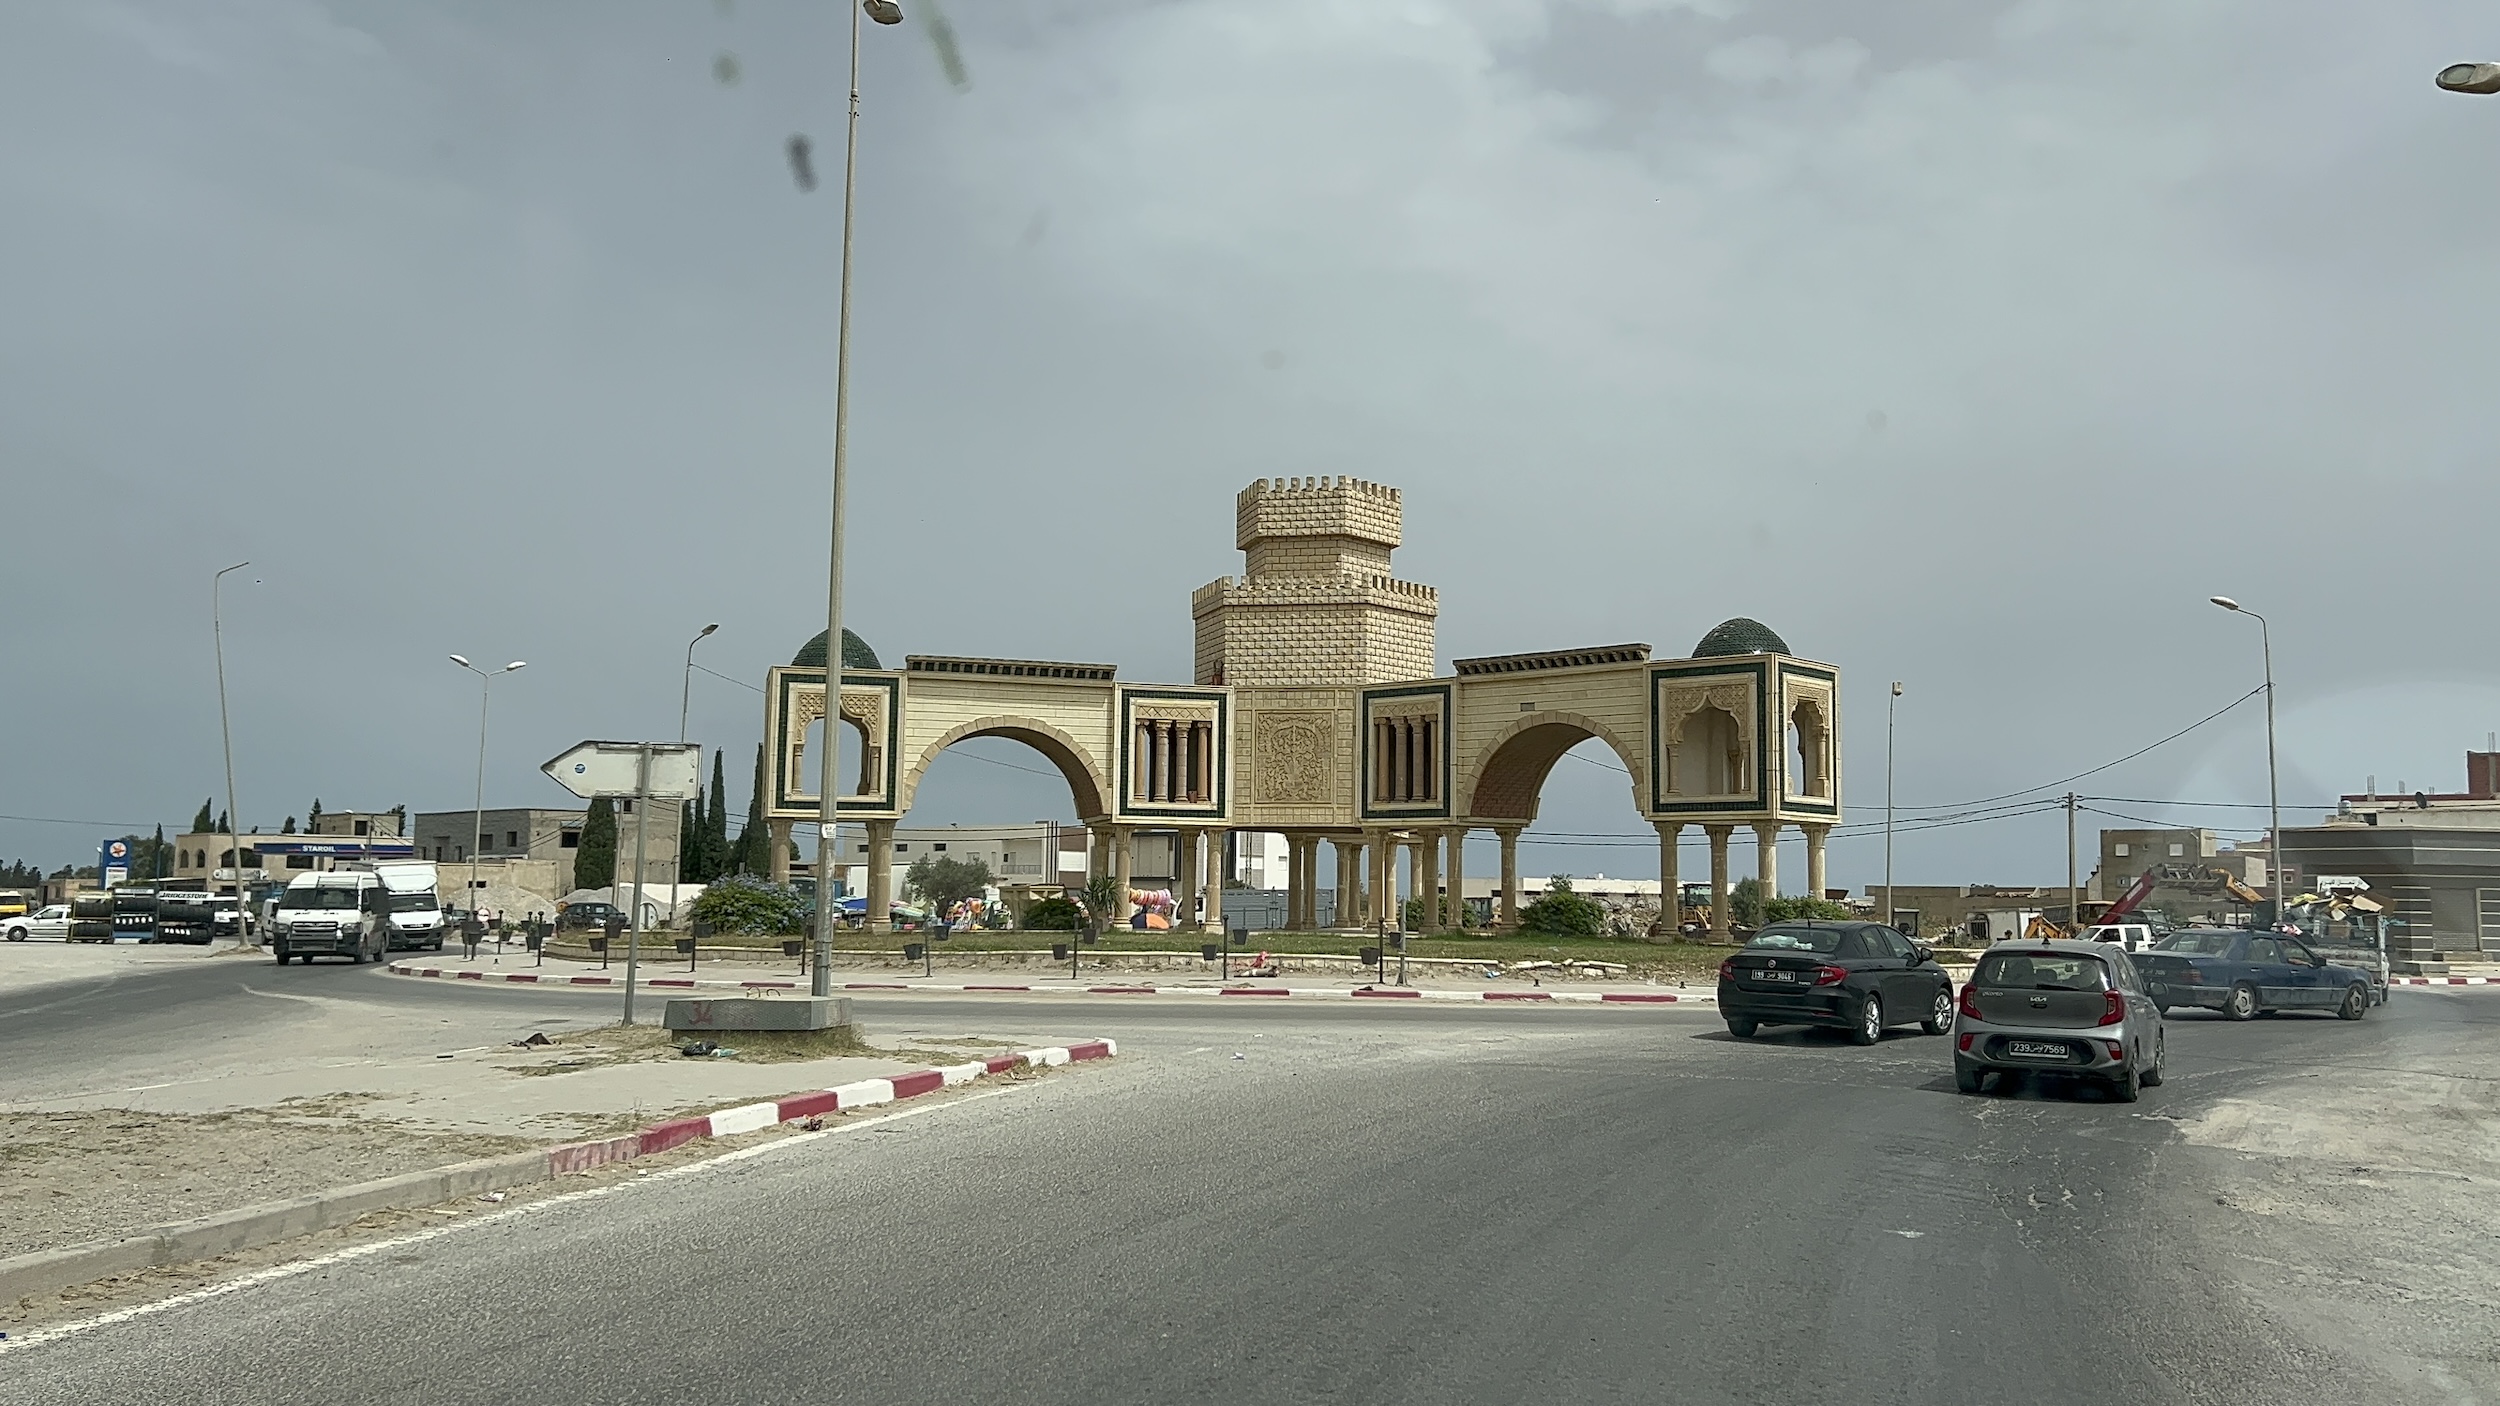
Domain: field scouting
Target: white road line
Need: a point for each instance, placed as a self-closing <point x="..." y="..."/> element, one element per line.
<point x="275" y="1273"/>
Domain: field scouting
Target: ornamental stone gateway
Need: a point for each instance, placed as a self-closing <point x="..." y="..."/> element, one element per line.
<point x="1317" y="712"/>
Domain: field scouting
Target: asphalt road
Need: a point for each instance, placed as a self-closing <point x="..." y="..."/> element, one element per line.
<point x="1464" y="1206"/>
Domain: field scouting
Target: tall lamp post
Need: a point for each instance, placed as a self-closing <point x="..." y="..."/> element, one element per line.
<point x="225" y="732"/>
<point x="477" y="816"/>
<point x="1888" y="709"/>
<point x="2274" y="790"/>
<point x="829" y="785"/>
<point x="685" y="691"/>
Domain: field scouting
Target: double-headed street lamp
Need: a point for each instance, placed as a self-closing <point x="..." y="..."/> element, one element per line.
<point x="685" y="692"/>
<point x="2274" y="789"/>
<point x="477" y="817"/>
<point x="829" y="785"/>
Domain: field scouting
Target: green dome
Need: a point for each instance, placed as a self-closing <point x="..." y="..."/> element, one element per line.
<point x="1739" y="636"/>
<point x="855" y="653"/>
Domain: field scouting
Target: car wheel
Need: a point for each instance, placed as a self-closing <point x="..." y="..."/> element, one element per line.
<point x="1742" y="1028"/>
<point x="2242" y="1003"/>
<point x="2356" y="1002"/>
<point x="2126" y="1087"/>
<point x="17" y="934"/>
<point x="1967" y="1079"/>
<point x="2161" y="1056"/>
<point x="283" y="954"/>
<point x="1940" y="1020"/>
<point x="1869" y="1027"/>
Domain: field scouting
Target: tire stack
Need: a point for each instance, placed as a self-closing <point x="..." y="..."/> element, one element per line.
<point x="91" y="917"/>
<point x="134" y="912"/>
<point x="183" y="916"/>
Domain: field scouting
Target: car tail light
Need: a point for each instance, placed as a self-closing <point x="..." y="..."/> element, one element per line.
<point x="1970" y="1000"/>
<point x="1966" y="1039"/>
<point x="1829" y="976"/>
<point x="2113" y="1008"/>
<point x="1727" y="970"/>
<point x="2116" y="1050"/>
<point x="2193" y="976"/>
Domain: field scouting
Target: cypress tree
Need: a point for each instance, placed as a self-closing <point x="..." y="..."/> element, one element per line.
<point x="594" y="864"/>
<point x="690" y="841"/>
<point x="289" y="827"/>
<point x="753" y="856"/>
<point x="157" y="860"/>
<point x="312" y="821"/>
<point x="200" y="822"/>
<point x="716" y="827"/>
<point x="224" y="826"/>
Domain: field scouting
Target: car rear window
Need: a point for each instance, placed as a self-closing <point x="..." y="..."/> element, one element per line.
<point x="2041" y="971"/>
<point x="1823" y="940"/>
<point x="2203" y="944"/>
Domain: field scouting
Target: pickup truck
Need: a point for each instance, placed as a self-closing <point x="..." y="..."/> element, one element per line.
<point x="2245" y="974"/>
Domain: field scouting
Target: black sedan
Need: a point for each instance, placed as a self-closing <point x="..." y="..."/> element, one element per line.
<point x="1858" y="977"/>
<point x="2244" y="974"/>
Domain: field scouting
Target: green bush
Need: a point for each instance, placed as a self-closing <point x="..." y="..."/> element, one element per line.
<point x="745" y="904"/>
<point x="1558" y="912"/>
<point x="1053" y="915"/>
<point x="1452" y="914"/>
<point x="1782" y="910"/>
<point x="1744" y="903"/>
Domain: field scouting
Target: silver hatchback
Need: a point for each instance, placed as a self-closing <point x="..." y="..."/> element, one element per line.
<point x="2074" y="1008"/>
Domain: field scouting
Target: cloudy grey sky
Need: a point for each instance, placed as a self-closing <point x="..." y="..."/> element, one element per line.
<point x="1967" y="342"/>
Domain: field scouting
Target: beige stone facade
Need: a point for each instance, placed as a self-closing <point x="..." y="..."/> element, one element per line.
<point x="1319" y="712"/>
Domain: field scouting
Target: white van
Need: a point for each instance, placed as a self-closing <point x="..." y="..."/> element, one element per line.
<point x="415" y="915"/>
<point x="337" y="914"/>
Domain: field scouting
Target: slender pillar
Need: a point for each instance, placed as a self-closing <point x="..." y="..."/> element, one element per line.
<point x="1184" y="876"/>
<point x="1458" y="877"/>
<point x="1349" y="883"/>
<point x="1123" y="853"/>
<point x="1163" y="759"/>
<point x="1670" y="883"/>
<point x="1719" y="884"/>
<point x="880" y="875"/>
<point x="1214" y="921"/>
<point x="1508" y="920"/>
<point x="1428" y="886"/>
<point x="1815" y="836"/>
<point x="1380" y="891"/>
<point x="777" y="832"/>
<point x="1766" y="839"/>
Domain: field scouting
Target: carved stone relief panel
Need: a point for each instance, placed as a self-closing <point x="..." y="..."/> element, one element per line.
<point x="1294" y="755"/>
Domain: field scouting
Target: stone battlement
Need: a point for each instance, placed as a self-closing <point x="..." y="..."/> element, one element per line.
<point x="1328" y="506"/>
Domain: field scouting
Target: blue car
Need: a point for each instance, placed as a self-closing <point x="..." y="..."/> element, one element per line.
<point x="2246" y="974"/>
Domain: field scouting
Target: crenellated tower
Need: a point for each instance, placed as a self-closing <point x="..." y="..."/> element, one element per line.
<point x="1317" y="605"/>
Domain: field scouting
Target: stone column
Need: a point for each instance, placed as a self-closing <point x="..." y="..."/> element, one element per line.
<point x="1815" y="878"/>
<point x="1349" y="882"/>
<point x="1215" y="882"/>
<point x="1123" y="851"/>
<point x="1414" y="851"/>
<point x="1163" y="760"/>
<point x="777" y="833"/>
<point x="1719" y="885"/>
<point x="1670" y="882"/>
<point x="1458" y="877"/>
<point x="1097" y="852"/>
<point x="880" y="875"/>
<point x="1508" y="918"/>
<point x="1766" y="839"/>
<point x="1428" y="884"/>
<point x="1184" y="877"/>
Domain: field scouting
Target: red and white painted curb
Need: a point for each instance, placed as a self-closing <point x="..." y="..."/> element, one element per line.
<point x="867" y="1093"/>
<point x="2443" y="981"/>
<point x="682" y="983"/>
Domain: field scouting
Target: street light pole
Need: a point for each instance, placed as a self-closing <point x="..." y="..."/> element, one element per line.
<point x="225" y="732"/>
<point x="477" y="816"/>
<point x="2274" y="788"/>
<point x="1888" y="710"/>
<point x="685" y="691"/>
<point x="2470" y="78"/>
<point x="829" y="783"/>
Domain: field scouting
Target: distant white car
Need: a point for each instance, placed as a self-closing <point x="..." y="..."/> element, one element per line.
<point x="49" y="923"/>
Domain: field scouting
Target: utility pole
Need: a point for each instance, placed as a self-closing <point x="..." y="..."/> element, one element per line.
<point x="2074" y="909"/>
<point x="1888" y="710"/>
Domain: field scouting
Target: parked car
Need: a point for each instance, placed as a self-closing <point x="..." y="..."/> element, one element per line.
<point x="2245" y="974"/>
<point x="2062" y="1007"/>
<point x="2135" y="937"/>
<point x="587" y="916"/>
<point x="1856" y="976"/>
<point x="49" y="923"/>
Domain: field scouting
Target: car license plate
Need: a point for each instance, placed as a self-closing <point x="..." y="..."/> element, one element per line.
<point x="1775" y="976"/>
<point x="2034" y="1049"/>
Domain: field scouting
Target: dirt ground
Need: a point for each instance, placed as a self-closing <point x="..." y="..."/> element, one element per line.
<point x="71" y="1177"/>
